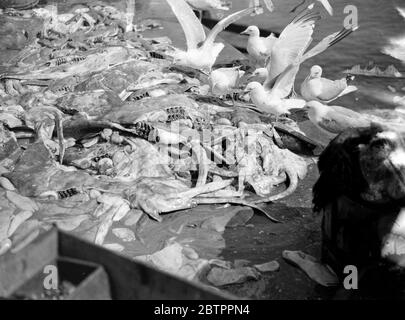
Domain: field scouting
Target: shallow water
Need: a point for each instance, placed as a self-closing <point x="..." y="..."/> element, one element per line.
<point x="379" y="21"/>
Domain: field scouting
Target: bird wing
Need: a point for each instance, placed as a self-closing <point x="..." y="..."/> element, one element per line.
<point x="291" y="44"/>
<point x="401" y="11"/>
<point x="338" y="119"/>
<point x="346" y="91"/>
<point x="284" y="83"/>
<point x="330" y="90"/>
<point x="269" y="42"/>
<point x="350" y="113"/>
<point x="224" y="23"/>
<point x="192" y="27"/>
<point x="327" y="6"/>
<point x="331" y="125"/>
<point x="327" y="42"/>
<point x="232" y="74"/>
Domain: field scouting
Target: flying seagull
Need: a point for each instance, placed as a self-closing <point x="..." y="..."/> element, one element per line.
<point x="202" y="51"/>
<point x="314" y="87"/>
<point x="291" y="44"/>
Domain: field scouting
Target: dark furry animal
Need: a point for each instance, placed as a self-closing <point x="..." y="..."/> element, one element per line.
<point x="359" y="164"/>
<point x="339" y="167"/>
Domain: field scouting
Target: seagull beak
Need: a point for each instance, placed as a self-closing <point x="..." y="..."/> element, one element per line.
<point x="245" y="32"/>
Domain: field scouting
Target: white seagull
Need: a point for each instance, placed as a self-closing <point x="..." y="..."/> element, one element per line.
<point x="297" y="52"/>
<point x="273" y="102"/>
<point x="325" y="4"/>
<point x="224" y="80"/>
<point x="291" y="44"/>
<point x="314" y="87"/>
<point x="258" y="48"/>
<point x="333" y="120"/>
<point x="273" y="98"/>
<point x="202" y="51"/>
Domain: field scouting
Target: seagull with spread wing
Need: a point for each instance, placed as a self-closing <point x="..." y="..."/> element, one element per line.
<point x="291" y="44"/>
<point x="258" y="48"/>
<point x="202" y="51"/>
<point x="272" y="98"/>
<point x="314" y="87"/>
<point x="293" y="41"/>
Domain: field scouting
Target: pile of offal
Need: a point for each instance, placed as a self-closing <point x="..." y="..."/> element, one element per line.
<point x="106" y="134"/>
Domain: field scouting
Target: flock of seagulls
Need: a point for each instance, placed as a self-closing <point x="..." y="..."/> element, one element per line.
<point x="277" y="61"/>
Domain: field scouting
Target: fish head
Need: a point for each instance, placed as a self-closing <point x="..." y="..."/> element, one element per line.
<point x="251" y="31"/>
<point x="316" y="72"/>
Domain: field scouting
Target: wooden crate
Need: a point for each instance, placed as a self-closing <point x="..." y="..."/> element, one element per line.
<point x="95" y="272"/>
<point x="135" y="280"/>
<point x="22" y="274"/>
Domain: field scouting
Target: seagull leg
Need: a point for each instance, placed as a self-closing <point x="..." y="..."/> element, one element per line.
<point x="296" y="7"/>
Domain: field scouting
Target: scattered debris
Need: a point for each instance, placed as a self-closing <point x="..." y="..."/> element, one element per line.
<point x="318" y="272"/>
<point x="124" y="234"/>
<point x="221" y="277"/>
<point x="114" y="247"/>
<point x="271" y="266"/>
<point x="177" y="259"/>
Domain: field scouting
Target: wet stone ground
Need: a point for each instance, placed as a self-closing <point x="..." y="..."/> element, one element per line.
<point x="261" y="241"/>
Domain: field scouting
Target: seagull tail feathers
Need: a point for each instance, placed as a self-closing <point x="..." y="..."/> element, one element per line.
<point x="348" y="90"/>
